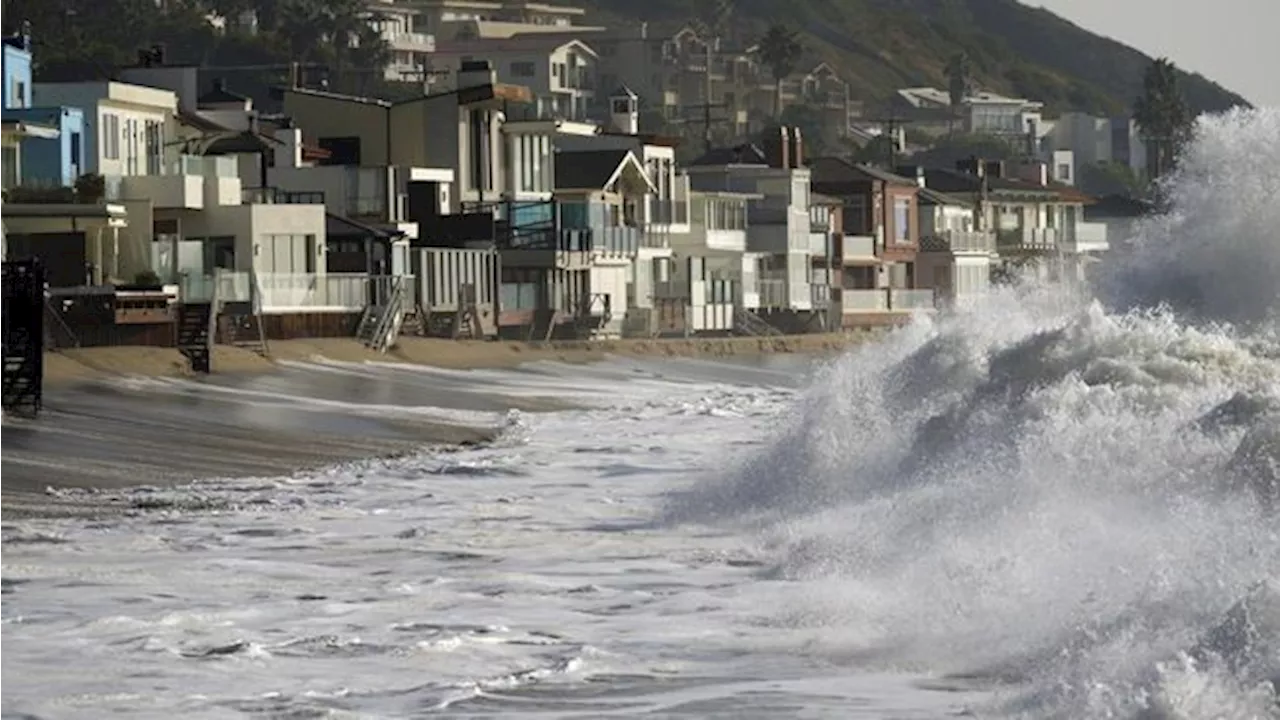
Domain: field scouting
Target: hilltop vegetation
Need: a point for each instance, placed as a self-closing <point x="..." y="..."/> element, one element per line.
<point x="882" y="45"/>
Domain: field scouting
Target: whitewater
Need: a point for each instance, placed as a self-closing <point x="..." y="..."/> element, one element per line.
<point x="1052" y="503"/>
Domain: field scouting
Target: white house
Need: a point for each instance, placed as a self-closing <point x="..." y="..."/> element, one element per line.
<point x="559" y="70"/>
<point x="131" y="125"/>
<point x="779" y="213"/>
<point x="981" y="112"/>
<point x="410" y="47"/>
<point x="955" y="258"/>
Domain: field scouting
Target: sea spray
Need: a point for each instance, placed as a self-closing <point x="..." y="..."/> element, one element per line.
<point x="1033" y="491"/>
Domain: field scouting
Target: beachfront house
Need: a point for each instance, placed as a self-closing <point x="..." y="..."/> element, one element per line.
<point x="661" y="213"/>
<point x="779" y="227"/>
<point x="955" y="257"/>
<point x="559" y="70"/>
<point x="880" y="243"/>
<point x="1039" y="224"/>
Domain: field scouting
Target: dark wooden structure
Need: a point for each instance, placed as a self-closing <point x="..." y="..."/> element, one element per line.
<point x="23" y="310"/>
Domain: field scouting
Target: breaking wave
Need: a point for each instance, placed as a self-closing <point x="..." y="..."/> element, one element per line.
<point x="1071" y="497"/>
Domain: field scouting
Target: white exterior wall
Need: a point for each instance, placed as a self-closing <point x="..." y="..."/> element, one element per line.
<point x="441" y="273"/>
<point x="117" y="143"/>
<point x="611" y="280"/>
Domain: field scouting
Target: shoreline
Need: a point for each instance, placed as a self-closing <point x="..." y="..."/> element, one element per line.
<point x="98" y="442"/>
<point x="77" y="365"/>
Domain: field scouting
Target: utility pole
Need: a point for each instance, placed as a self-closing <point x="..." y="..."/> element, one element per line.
<point x="706" y="106"/>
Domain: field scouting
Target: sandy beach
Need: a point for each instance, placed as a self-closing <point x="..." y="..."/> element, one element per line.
<point x="119" y="417"/>
<point x="78" y="365"/>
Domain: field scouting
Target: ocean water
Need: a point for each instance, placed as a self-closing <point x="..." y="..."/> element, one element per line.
<point x="1051" y="504"/>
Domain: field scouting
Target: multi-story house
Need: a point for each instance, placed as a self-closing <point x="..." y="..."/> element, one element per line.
<point x="1091" y="140"/>
<point x="1037" y="222"/>
<point x="398" y="25"/>
<point x="486" y="19"/>
<point x="44" y="146"/>
<point x="881" y="240"/>
<point x="662" y="214"/>
<point x="672" y="76"/>
<point x="132" y="125"/>
<point x="778" y="239"/>
<point x="955" y="257"/>
<point x="559" y="70"/>
<point x="929" y="110"/>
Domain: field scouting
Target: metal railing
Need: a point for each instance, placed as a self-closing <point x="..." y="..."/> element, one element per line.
<point x="277" y="196"/>
<point x="773" y="293"/>
<point x="865" y="300"/>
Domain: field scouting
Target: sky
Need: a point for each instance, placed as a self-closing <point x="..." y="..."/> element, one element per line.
<point x="1231" y="42"/>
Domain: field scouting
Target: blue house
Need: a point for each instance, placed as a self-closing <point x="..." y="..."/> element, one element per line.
<point x="51" y="140"/>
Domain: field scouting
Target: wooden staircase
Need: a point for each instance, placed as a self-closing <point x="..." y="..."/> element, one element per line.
<point x="22" y="391"/>
<point x="466" y="321"/>
<point x="746" y="322"/>
<point x="243" y="328"/>
<point x="380" y="324"/>
<point x="195" y="334"/>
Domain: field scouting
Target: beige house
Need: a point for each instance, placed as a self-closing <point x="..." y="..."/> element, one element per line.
<point x="671" y="75"/>
<point x="487" y="19"/>
<point x="559" y="70"/>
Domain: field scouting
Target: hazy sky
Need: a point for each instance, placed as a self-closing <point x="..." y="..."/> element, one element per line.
<point x="1232" y="42"/>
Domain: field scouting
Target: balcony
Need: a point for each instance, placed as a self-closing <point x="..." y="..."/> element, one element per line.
<point x="1027" y="240"/>
<point x="866" y="300"/>
<point x="773" y="293"/>
<point x="910" y="300"/>
<point x="276" y="196"/>
<point x="820" y="245"/>
<point x="970" y="241"/>
<point x="180" y="185"/>
<point x="1086" y="237"/>
<point x="410" y="41"/>
<point x="858" y="249"/>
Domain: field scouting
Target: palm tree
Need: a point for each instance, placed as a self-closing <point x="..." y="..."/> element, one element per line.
<point x="1163" y="116"/>
<point x="959" y="75"/>
<point x="780" y="50"/>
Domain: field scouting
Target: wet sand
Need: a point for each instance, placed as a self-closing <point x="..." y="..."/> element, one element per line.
<point x="131" y="416"/>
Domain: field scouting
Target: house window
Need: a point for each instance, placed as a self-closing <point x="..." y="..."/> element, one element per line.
<point x="20" y="95"/>
<point x="75" y="151"/>
<point x="1064" y="172"/>
<point x="621" y="106"/>
<point x="342" y="150"/>
<point x="523" y="69"/>
<point x="155" y="147"/>
<point x="109" y="136"/>
<point x="902" y="219"/>
<point x="10" y="163"/>
<point x="311" y="251"/>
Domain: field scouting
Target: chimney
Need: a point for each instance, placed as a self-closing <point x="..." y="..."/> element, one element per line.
<point x="776" y="147"/>
<point x="1031" y="137"/>
<point x="26" y="35"/>
<point x="476" y="73"/>
<point x="972" y="166"/>
<point x="795" y="147"/>
<point x="994" y="168"/>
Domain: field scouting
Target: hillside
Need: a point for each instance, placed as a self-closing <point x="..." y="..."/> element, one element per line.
<point x="882" y="45"/>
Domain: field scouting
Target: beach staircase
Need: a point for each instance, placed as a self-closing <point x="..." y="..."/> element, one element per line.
<point x="746" y="322"/>
<point x="22" y="391"/>
<point x="466" y="321"/>
<point x="195" y="334"/>
<point x="380" y="324"/>
<point x="241" y="327"/>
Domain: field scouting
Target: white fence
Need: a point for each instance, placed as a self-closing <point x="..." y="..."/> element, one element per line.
<point x="278" y="293"/>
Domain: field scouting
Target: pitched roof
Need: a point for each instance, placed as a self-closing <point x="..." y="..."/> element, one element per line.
<point x="834" y="169"/>
<point x="929" y="196"/>
<point x="341" y="226"/>
<point x="592" y="169"/>
<point x="745" y="154"/>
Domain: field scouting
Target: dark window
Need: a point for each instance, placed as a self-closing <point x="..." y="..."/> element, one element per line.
<point x="75" y="149"/>
<point x="342" y="150"/>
